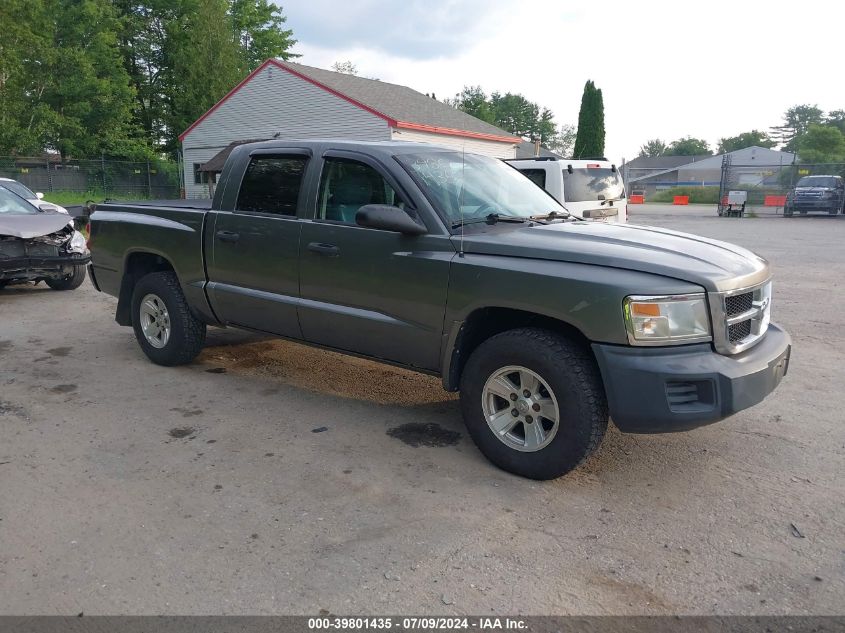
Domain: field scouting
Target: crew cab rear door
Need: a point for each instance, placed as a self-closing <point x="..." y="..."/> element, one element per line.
<point x="252" y="248"/>
<point x="370" y="291"/>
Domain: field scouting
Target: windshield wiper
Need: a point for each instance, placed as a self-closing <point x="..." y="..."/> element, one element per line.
<point x="491" y="218"/>
<point x="553" y="215"/>
<point x="611" y="201"/>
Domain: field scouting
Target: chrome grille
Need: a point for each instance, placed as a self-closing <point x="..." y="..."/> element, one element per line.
<point x="739" y="331"/>
<point x="740" y="317"/>
<point x="737" y="304"/>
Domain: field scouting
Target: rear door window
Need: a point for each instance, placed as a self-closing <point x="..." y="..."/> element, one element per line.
<point x="271" y="184"/>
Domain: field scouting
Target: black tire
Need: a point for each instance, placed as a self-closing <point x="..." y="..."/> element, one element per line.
<point x="571" y="373"/>
<point x="187" y="333"/>
<point x="69" y="282"/>
<point x="3" y="284"/>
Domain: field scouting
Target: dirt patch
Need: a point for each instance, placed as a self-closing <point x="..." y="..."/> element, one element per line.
<point x="64" y="388"/>
<point x="181" y="432"/>
<point x="59" y="351"/>
<point x="5" y="346"/>
<point x="8" y="408"/>
<point x="188" y="413"/>
<point x="417" y="434"/>
<point x="327" y="373"/>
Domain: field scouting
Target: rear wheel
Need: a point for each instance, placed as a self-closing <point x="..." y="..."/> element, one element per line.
<point x="533" y="402"/>
<point x="166" y="329"/>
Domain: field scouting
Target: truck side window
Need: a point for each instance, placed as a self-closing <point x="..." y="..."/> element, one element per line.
<point x="271" y="184"/>
<point x="347" y="185"/>
<point x="537" y="176"/>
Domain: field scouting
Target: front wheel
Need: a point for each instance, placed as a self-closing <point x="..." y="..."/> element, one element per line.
<point x="68" y="282"/>
<point x="533" y="402"/>
<point x="166" y="329"/>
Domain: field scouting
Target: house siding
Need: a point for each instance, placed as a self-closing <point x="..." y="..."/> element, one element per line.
<point x="275" y="101"/>
<point x="495" y="149"/>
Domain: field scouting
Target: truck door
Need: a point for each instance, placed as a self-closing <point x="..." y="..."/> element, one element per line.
<point x="368" y="291"/>
<point x="253" y="249"/>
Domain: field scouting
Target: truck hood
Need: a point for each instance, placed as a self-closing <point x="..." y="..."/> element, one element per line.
<point x="715" y="265"/>
<point x="27" y="226"/>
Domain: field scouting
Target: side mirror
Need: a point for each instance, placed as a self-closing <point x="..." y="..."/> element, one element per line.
<point x="39" y="195"/>
<point x="48" y="207"/>
<point x="388" y="218"/>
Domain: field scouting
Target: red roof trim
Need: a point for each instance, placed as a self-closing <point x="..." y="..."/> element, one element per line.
<point x="421" y="127"/>
<point x="390" y="121"/>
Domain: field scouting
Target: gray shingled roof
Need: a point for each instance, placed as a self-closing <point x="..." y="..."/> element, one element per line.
<point x="396" y="102"/>
<point x="216" y="162"/>
<point x="662" y="162"/>
<point x="525" y="149"/>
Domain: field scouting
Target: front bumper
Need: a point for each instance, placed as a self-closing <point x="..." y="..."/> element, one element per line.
<point x="815" y="204"/>
<point x="30" y="267"/>
<point x="660" y="390"/>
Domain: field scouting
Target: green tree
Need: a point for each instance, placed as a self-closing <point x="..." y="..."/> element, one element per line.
<point x="473" y="100"/>
<point x="564" y="141"/>
<point x="653" y="148"/>
<point x="203" y="63"/>
<point x="144" y="47"/>
<point x="519" y="116"/>
<point x="25" y="39"/>
<point x="821" y="144"/>
<point x="260" y="33"/>
<point x="589" y="141"/>
<point x="347" y="68"/>
<point x="688" y="146"/>
<point x="511" y="112"/>
<point x="796" y="122"/>
<point x="66" y="88"/>
<point x="836" y="118"/>
<point x="746" y="139"/>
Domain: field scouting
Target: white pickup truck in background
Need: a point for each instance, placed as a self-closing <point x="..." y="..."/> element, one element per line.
<point x="589" y="189"/>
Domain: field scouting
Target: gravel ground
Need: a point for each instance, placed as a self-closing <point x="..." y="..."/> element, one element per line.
<point x="272" y="478"/>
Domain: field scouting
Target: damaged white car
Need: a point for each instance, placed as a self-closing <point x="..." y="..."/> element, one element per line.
<point x="39" y="245"/>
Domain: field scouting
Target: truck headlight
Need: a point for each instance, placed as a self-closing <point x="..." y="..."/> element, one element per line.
<point x="667" y="320"/>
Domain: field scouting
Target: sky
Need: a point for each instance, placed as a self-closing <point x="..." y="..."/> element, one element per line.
<point x="666" y="69"/>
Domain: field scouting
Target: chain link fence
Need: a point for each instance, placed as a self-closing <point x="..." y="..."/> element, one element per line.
<point x="74" y="180"/>
<point x="784" y="189"/>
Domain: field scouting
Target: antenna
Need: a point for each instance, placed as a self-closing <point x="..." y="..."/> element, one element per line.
<point x="461" y="196"/>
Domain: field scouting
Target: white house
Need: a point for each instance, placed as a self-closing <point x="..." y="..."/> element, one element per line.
<point x="292" y="101"/>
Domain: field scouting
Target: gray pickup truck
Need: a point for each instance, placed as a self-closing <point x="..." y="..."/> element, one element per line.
<point x="455" y="265"/>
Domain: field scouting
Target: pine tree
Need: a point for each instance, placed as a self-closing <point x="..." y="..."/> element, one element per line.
<point x="589" y="142"/>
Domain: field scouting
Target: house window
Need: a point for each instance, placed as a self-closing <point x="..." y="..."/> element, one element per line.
<point x="200" y="177"/>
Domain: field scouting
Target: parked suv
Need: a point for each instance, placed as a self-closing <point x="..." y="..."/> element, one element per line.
<point x="588" y="189"/>
<point x="824" y="194"/>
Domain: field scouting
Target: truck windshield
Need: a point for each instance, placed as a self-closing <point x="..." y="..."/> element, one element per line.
<point x="10" y="203"/>
<point x="587" y="184"/>
<point x="818" y="181"/>
<point x="465" y="186"/>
